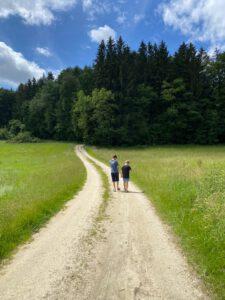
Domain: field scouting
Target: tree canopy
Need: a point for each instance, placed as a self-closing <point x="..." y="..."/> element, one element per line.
<point x="126" y="97"/>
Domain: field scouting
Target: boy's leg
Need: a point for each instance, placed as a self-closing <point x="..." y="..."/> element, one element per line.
<point x="114" y="186"/>
<point x="113" y="182"/>
<point x="124" y="185"/>
<point x="117" y="181"/>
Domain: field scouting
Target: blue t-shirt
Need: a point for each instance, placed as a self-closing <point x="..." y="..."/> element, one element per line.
<point x="114" y="166"/>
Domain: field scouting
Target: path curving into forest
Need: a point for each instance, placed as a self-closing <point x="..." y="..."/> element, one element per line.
<point x="129" y="255"/>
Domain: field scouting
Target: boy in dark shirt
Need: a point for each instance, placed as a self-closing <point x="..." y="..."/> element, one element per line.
<point x="126" y="175"/>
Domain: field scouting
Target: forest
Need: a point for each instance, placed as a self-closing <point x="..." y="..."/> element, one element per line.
<point x="126" y="97"/>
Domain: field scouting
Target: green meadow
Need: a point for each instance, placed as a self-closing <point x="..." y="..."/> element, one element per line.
<point x="186" y="184"/>
<point x="35" y="182"/>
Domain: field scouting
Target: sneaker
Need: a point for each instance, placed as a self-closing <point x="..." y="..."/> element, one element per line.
<point x="118" y="189"/>
<point x="114" y="190"/>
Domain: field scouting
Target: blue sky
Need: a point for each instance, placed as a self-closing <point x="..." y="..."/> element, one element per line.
<point x="36" y="37"/>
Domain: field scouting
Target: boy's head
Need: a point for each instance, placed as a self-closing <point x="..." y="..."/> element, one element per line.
<point x="127" y="162"/>
<point x="114" y="157"/>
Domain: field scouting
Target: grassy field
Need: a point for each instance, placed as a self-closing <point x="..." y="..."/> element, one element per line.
<point x="35" y="182"/>
<point x="187" y="186"/>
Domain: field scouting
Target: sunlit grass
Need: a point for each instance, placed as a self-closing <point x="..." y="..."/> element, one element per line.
<point x="187" y="186"/>
<point x="35" y="182"/>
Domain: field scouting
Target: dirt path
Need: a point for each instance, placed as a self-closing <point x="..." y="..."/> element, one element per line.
<point x="132" y="256"/>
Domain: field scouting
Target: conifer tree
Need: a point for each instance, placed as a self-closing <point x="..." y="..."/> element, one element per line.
<point x="99" y="66"/>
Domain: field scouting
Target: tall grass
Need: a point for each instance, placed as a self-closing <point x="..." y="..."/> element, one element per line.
<point x="187" y="186"/>
<point x="35" y="182"/>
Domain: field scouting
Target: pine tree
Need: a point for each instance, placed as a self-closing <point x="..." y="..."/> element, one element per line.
<point x="162" y="65"/>
<point x="142" y="65"/>
<point x="110" y="65"/>
<point x="151" y="64"/>
<point x="7" y="99"/>
<point x="50" y="76"/>
<point x="99" y="66"/>
<point x="120" y="65"/>
<point x="69" y="86"/>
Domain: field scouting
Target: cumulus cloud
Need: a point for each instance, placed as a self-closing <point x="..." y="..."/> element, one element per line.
<point x="34" y="12"/>
<point x="44" y="51"/>
<point x="14" y="68"/>
<point x="201" y="20"/>
<point x="42" y="12"/>
<point x="102" y="33"/>
<point x="138" y="18"/>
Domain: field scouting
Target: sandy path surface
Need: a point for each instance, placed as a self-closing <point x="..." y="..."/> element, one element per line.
<point x="131" y="256"/>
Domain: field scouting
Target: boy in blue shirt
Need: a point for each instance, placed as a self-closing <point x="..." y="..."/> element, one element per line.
<point x="114" y="165"/>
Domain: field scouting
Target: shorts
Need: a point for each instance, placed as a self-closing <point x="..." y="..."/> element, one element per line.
<point x="126" y="179"/>
<point x="115" y="177"/>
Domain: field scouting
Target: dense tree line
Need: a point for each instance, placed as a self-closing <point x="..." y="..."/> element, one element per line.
<point x="127" y="98"/>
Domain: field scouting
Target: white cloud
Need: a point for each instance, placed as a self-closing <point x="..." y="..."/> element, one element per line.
<point x="87" y="4"/>
<point x="44" y="51"/>
<point x="34" y="12"/>
<point x="201" y="20"/>
<point x="55" y="72"/>
<point x="214" y="48"/>
<point x="42" y="12"/>
<point x="102" y="33"/>
<point x="138" y="18"/>
<point x="96" y="7"/>
<point x="14" y="68"/>
<point x="121" y="19"/>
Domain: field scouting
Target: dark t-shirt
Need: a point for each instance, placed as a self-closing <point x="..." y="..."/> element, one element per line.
<point x="126" y="171"/>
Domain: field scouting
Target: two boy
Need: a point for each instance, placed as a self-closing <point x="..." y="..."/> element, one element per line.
<point x="115" y="174"/>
